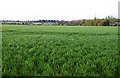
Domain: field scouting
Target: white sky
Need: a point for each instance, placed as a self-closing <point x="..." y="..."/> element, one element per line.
<point x="57" y="9"/>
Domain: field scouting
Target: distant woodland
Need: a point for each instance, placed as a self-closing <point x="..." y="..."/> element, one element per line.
<point x="108" y="21"/>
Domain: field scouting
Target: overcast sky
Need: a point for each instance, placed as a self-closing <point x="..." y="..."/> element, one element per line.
<point x="57" y="9"/>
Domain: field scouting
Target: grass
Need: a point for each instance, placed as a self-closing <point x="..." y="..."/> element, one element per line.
<point x="59" y="51"/>
<point x="0" y="51"/>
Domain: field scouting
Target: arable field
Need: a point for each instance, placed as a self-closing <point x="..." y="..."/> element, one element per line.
<point x="59" y="51"/>
<point x="0" y="51"/>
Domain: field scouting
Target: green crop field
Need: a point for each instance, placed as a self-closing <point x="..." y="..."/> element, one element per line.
<point x="0" y="51"/>
<point x="59" y="51"/>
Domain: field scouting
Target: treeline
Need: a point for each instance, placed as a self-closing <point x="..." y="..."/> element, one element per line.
<point x="34" y="22"/>
<point x="108" y="21"/>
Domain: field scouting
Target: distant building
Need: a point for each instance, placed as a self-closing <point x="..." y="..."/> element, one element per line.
<point x="116" y="24"/>
<point x="37" y="22"/>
